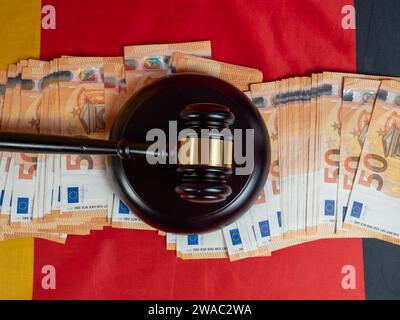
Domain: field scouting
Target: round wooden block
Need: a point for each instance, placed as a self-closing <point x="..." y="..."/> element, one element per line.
<point x="149" y="190"/>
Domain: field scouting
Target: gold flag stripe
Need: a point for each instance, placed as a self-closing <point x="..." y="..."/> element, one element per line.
<point x="22" y="21"/>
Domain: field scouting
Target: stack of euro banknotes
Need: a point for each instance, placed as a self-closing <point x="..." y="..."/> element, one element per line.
<point x="335" y="152"/>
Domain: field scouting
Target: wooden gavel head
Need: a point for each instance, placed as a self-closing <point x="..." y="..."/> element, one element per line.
<point x="205" y="155"/>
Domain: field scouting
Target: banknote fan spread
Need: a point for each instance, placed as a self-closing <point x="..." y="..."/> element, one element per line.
<point x="335" y="152"/>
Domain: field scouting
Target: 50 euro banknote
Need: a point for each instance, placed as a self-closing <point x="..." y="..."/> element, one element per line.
<point x="209" y="245"/>
<point x="25" y="199"/>
<point x="146" y="63"/>
<point x="263" y="96"/>
<point x="9" y="121"/>
<point x="236" y="75"/>
<point x="243" y="237"/>
<point x="327" y="152"/>
<point x="358" y="100"/>
<point x="374" y="203"/>
<point x="85" y="187"/>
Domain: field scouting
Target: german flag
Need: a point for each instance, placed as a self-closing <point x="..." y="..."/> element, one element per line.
<point x="280" y="37"/>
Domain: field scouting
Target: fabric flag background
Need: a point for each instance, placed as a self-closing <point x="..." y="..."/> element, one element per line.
<point x="19" y="38"/>
<point x="282" y="38"/>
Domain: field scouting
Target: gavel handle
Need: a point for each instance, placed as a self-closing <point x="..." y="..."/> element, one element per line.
<point x="43" y="143"/>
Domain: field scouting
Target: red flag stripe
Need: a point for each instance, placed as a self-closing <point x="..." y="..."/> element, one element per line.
<point x="280" y="37"/>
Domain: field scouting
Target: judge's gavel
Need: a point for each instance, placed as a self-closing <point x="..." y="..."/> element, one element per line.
<point x="201" y="190"/>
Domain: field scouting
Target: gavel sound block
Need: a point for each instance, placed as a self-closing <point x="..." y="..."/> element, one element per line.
<point x="182" y="196"/>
